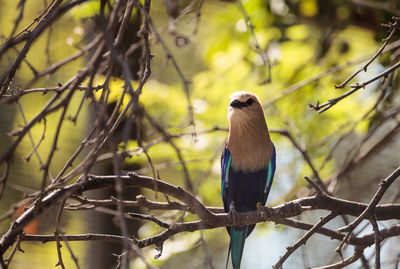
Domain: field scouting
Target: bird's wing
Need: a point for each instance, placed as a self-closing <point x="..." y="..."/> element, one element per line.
<point x="264" y="177"/>
<point x="270" y="176"/>
<point x="225" y="166"/>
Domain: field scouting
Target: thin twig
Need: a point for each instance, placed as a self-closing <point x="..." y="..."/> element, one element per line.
<point x="57" y="233"/>
<point x="352" y="259"/>
<point x="377" y="242"/>
<point x="303" y="239"/>
<point x="150" y="218"/>
<point x="250" y="27"/>
<point x="325" y="106"/>
<point x="384" y="185"/>
<point x="393" y="28"/>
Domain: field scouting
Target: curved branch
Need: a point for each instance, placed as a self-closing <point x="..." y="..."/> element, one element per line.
<point x="303" y="239"/>
<point x="375" y="200"/>
<point x="30" y="38"/>
<point x="360" y="242"/>
<point x="353" y="258"/>
<point x="207" y="218"/>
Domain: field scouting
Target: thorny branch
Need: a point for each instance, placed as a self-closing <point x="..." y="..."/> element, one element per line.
<point x="393" y="28"/>
<point x="303" y="240"/>
<point x="325" y="106"/>
<point x="375" y="200"/>
<point x="208" y="219"/>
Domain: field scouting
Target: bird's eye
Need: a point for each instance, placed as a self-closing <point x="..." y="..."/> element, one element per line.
<point x="249" y="102"/>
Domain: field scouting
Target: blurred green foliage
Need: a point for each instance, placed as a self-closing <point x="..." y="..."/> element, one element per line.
<point x="25" y="171"/>
<point x="231" y="63"/>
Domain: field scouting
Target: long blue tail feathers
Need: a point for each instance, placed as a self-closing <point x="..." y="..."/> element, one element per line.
<point x="236" y="246"/>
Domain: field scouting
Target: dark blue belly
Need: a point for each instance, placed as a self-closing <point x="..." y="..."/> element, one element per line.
<point x="247" y="189"/>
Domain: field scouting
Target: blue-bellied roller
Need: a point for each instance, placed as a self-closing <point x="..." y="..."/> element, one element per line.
<point x="247" y="166"/>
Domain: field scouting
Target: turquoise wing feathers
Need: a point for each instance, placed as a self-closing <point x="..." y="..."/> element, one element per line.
<point x="270" y="176"/>
<point x="246" y="190"/>
<point x="225" y="168"/>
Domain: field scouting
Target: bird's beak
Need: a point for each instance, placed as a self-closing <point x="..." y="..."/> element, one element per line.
<point x="236" y="104"/>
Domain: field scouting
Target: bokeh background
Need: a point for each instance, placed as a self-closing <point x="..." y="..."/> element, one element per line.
<point x="312" y="45"/>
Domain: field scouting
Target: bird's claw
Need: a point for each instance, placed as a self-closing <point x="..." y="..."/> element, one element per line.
<point x="131" y="174"/>
<point x="233" y="215"/>
<point x="262" y="211"/>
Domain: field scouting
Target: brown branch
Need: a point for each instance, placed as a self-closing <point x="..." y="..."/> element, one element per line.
<point x="185" y="82"/>
<point x="46" y="166"/>
<point x="386" y="6"/>
<point x="363" y="241"/>
<point x="304" y="154"/>
<point x="14" y="250"/>
<point x="3" y="178"/>
<point x="141" y="201"/>
<point x="35" y="147"/>
<point x="303" y="239"/>
<point x="208" y="260"/>
<point x="73" y="256"/>
<point x="370" y="208"/>
<point x="52" y="5"/>
<point x="167" y="137"/>
<point x="377" y="239"/>
<point x="299" y="85"/>
<point x="5" y="156"/>
<point x="49" y="108"/>
<point x="208" y="219"/>
<point x="250" y="27"/>
<point x="359" y="242"/>
<point x="325" y="106"/>
<point x="150" y="218"/>
<point x="51" y="69"/>
<point x="8" y="99"/>
<point x="57" y="234"/>
<point x="31" y="37"/>
<point x="394" y="27"/>
<point x="353" y="258"/>
<point x="78" y="237"/>
<point x="74" y="156"/>
<point x="375" y="200"/>
<point x="314" y="185"/>
<point x="349" y="163"/>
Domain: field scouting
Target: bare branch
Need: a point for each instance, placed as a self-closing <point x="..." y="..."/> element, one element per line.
<point x="325" y="106"/>
<point x="394" y="27"/>
<point x="303" y="239"/>
<point x="353" y="258"/>
<point x="374" y="201"/>
<point x="207" y="218"/>
<point x="250" y="27"/>
<point x="377" y="242"/>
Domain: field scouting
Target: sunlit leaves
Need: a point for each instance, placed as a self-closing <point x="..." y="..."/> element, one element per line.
<point x="86" y="10"/>
<point x="308" y="8"/>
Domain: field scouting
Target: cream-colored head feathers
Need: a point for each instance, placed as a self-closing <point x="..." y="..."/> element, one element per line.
<point x="243" y="96"/>
<point x="248" y="141"/>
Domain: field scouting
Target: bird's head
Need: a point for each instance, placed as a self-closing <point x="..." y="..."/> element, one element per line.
<point x="244" y="107"/>
<point x="248" y="141"/>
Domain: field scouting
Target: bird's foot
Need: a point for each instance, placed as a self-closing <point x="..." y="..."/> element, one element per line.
<point x="131" y="174"/>
<point x="233" y="215"/>
<point x="263" y="211"/>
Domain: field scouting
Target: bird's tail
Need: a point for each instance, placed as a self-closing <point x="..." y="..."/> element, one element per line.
<point x="227" y="258"/>
<point x="236" y="246"/>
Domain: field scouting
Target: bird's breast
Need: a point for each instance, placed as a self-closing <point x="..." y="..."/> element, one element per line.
<point x="249" y="159"/>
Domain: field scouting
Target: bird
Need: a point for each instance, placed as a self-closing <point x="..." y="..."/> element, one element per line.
<point x="247" y="167"/>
